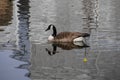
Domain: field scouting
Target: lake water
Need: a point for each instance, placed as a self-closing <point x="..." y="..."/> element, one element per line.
<point x="24" y="47"/>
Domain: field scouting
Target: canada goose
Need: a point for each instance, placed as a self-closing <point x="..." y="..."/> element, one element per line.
<point x="65" y="36"/>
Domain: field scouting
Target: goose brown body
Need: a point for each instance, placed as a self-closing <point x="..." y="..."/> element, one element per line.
<point x="66" y="36"/>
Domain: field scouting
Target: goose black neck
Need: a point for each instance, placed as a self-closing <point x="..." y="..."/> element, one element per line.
<point x="54" y="31"/>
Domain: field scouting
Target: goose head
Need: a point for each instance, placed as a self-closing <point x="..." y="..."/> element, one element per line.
<point x="51" y="26"/>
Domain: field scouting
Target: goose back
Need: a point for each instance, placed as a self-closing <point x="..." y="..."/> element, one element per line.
<point x="67" y="36"/>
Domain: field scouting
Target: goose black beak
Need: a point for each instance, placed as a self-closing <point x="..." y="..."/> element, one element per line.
<point x="46" y="30"/>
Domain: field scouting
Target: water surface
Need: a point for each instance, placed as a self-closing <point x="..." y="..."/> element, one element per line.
<point x="25" y="52"/>
<point x="14" y="41"/>
<point x="97" y="62"/>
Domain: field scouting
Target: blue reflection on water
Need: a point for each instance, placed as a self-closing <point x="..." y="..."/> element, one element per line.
<point x="8" y="67"/>
<point x="23" y="35"/>
<point x="14" y="63"/>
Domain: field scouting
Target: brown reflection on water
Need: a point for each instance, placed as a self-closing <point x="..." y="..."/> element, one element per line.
<point x="65" y="46"/>
<point x="5" y="12"/>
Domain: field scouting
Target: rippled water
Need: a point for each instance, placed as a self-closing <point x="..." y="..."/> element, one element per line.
<point x="24" y="47"/>
<point x="100" y="61"/>
<point x="14" y="42"/>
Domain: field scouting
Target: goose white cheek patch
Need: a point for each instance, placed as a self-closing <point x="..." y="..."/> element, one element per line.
<point x="50" y="38"/>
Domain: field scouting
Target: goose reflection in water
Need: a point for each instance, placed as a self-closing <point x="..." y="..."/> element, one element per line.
<point x="66" y="46"/>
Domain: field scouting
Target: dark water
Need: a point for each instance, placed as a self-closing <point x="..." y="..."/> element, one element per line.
<point x="25" y="53"/>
